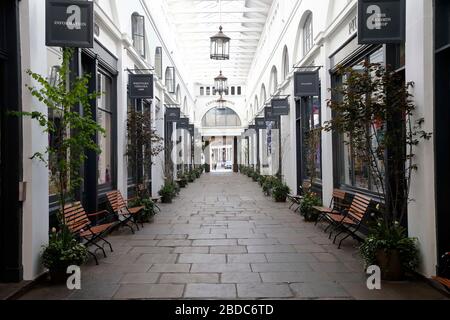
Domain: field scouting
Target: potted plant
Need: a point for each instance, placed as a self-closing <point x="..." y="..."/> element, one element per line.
<point x="182" y="181"/>
<point x="390" y="248"/>
<point x="150" y="209"/>
<point x="191" y="177"/>
<point x="280" y="192"/>
<point x="255" y="176"/>
<point x="309" y="200"/>
<point x="268" y="185"/>
<point x="167" y="193"/>
<point x="62" y="251"/>
<point x="375" y="116"/>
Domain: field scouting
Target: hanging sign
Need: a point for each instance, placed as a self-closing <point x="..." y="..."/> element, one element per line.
<point x="269" y="116"/>
<point x="280" y="107"/>
<point x="381" y="21"/>
<point x="252" y="127"/>
<point x="306" y="84"/>
<point x="183" y="123"/>
<point x="69" y="23"/>
<point x="140" y="86"/>
<point x="260" y="123"/>
<point x="173" y="114"/>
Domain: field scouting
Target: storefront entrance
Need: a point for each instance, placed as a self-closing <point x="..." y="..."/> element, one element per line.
<point x="10" y="145"/>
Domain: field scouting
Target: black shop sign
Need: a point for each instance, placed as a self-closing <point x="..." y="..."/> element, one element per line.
<point x="69" y="23"/>
<point x="307" y="84"/>
<point x="381" y="21"/>
<point x="141" y="86"/>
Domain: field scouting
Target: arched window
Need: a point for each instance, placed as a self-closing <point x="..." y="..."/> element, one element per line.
<point x="285" y="64"/>
<point x="308" y="40"/>
<point x="138" y="33"/>
<point x="263" y="94"/>
<point x="256" y="103"/>
<point x="178" y="94"/>
<point x="202" y="91"/>
<point x="158" y="62"/>
<point x="273" y="80"/>
<point x="239" y="91"/>
<point x="221" y="117"/>
<point x="170" y="79"/>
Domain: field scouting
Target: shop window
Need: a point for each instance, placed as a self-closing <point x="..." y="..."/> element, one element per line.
<point x="353" y="170"/>
<point x="138" y="32"/>
<point x="312" y="138"/>
<point x="104" y="119"/>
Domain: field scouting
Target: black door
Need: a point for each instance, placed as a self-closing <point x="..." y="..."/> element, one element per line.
<point x="10" y="145"/>
<point x="442" y="124"/>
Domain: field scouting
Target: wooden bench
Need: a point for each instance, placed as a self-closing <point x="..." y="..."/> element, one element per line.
<point x="80" y="225"/>
<point x="338" y="206"/>
<point x="120" y="207"/>
<point x="443" y="281"/>
<point x="295" y="201"/>
<point x="350" y="221"/>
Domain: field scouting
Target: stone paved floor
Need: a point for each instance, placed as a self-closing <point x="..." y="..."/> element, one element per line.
<point x="223" y="239"/>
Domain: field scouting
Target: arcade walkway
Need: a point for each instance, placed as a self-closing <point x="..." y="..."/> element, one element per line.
<point x="223" y="239"/>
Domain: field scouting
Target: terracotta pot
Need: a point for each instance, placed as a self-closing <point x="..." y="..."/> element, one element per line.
<point x="58" y="276"/>
<point x="281" y="199"/>
<point x="391" y="266"/>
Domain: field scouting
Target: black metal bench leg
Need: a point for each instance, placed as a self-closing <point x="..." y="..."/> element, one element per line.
<point x="346" y="237"/>
<point x="95" y="257"/>
<point x="101" y="248"/>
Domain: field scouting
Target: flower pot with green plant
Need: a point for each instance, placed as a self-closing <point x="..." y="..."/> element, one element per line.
<point x="269" y="184"/>
<point x="62" y="251"/>
<point x="182" y="181"/>
<point x="167" y="193"/>
<point x="390" y="248"/>
<point x="150" y="210"/>
<point x="280" y="192"/>
<point x="308" y="202"/>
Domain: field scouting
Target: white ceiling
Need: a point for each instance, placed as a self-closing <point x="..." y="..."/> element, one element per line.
<point x="196" y="21"/>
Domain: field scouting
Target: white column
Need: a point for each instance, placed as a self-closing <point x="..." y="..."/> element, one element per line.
<point x="419" y="69"/>
<point x="36" y="206"/>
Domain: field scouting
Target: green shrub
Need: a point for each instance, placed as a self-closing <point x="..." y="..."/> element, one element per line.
<point x="310" y="200"/>
<point x="280" y="192"/>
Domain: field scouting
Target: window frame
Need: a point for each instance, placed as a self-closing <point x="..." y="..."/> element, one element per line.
<point x="308" y="35"/>
<point x="136" y="19"/>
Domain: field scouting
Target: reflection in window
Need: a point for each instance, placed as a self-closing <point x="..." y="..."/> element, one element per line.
<point x="104" y="116"/>
<point x="312" y="136"/>
<point x="221" y="117"/>
<point x="354" y="170"/>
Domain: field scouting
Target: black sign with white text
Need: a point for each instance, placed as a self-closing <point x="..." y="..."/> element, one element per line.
<point x="280" y="107"/>
<point x="260" y="123"/>
<point x="183" y="123"/>
<point x="381" y="21"/>
<point x="69" y="23"/>
<point x="269" y="116"/>
<point x="306" y="84"/>
<point x="173" y="114"/>
<point x="141" y="86"/>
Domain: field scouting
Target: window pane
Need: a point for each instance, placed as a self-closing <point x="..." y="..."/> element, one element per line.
<point x="104" y="162"/>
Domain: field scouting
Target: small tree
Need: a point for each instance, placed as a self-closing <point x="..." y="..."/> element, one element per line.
<point x="374" y="112"/>
<point x="74" y="132"/>
<point x="143" y="144"/>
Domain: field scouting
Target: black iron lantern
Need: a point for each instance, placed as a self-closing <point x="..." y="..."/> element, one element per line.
<point x="221" y="84"/>
<point x="220" y="46"/>
<point x="221" y="103"/>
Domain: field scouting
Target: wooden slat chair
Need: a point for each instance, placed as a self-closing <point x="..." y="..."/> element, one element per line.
<point x="352" y="220"/>
<point x="295" y="201"/>
<point x="443" y="281"/>
<point x="337" y="208"/>
<point x="80" y="225"/>
<point x="120" y="207"/>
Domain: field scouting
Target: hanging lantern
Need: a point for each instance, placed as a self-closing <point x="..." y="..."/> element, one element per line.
<point x="221" y="84"/>
<point x="220" y="46"/>
<point x="221" y="103"/>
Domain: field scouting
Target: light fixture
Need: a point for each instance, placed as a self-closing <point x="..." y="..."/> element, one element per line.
<point x="221" y="84"/>
<point x="221" y="103"/>
<point x="220" y="43"/>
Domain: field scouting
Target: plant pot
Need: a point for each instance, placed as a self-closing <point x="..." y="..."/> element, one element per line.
<point x="390" y="264"/>
<point x="281" y="199"/>
<point x="311" y="217"/>
<point x="166" y="199"/>
<point x="58" y="276"/>
<point x="182" y="184"/>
